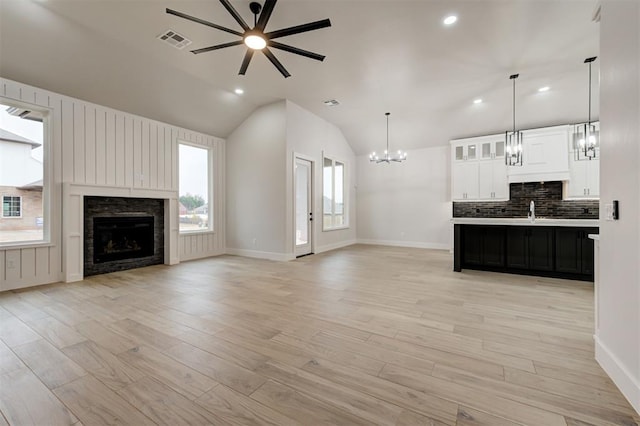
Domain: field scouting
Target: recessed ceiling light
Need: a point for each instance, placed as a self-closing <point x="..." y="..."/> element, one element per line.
<point x="450" y="20"/>
<point x="477" y="101"/>
<point x="543" y="89"/>
<point x="239" y="91"/>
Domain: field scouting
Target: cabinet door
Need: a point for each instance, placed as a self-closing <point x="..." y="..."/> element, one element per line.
<point x="493" y="246"/>
<point x="500" y="179"/>
<point x="578" y="178"/>
<point x="485" y="180"/>
<point x="541" y="248"/>
<point x="464" y="185"/>
<point x="569" y="243"/>
<point x="593" y="178"/>
<point x="518" y="247"/>
<point x="472" y="245"/>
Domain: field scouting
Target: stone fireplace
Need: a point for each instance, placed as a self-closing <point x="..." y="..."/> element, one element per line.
<point x="122" y="233"/>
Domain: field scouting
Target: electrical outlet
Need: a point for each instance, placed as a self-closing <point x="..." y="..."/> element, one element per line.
<point x="11" y="264"/>
<point x="255" y="242"/>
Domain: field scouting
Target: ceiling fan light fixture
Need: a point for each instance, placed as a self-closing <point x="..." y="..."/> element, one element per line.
<point x="255" y="41"/>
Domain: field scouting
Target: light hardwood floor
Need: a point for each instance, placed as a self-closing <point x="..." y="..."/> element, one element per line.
<point x="362" y="335"/>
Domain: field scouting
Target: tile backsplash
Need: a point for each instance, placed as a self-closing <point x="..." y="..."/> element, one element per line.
<point x="547" y="197"/>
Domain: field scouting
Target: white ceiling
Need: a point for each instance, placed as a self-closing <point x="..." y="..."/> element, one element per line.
<point x="393" y="55"/>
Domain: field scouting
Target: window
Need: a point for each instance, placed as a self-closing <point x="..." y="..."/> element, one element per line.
<point x="195" y="164"/>
<point x="23" y="184"/>
<point x="334" y="212"/>
<point x="11" y="206"/>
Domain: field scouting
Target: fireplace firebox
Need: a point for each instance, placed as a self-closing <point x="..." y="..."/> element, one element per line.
<point x="117" y="238"/>
<point x="122" y="233"/>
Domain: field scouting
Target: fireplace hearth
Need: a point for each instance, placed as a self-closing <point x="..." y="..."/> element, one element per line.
<point x="122" y="233"/>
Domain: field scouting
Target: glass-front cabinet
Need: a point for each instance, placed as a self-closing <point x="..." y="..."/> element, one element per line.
<point x="479" y="172"/>
<point x="465" y="152"/>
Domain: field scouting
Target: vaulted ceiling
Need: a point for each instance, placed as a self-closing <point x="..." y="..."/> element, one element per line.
<point x="393" y="55"/>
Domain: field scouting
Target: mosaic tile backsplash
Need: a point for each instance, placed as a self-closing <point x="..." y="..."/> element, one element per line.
<point x="547" y="197"/>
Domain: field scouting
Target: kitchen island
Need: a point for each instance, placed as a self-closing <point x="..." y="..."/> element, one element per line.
<point x="549" y="247"/>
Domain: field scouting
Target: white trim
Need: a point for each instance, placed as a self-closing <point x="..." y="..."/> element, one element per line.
<point x="621" y="376"/>
<point x="334" y="246"/>
<point x="411" y="244"/>
<point x="210" y="187"/>
<point x="268" y="255"/>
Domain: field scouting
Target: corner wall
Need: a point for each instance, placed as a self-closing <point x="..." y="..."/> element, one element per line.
<point x="406" y="204"/>
<point x="618" y="336"/>
<point x="256" y="177"/>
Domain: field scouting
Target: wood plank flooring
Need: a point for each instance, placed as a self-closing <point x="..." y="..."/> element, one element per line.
<point x="365" y="335"/>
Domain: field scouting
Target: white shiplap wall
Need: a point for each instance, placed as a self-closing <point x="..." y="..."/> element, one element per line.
<point x="95" y="145"/>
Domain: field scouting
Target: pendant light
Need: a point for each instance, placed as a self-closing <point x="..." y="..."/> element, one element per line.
<point x="513" y="139"/>
<point x="387" y="157"/>
<point x="586" y="136"/>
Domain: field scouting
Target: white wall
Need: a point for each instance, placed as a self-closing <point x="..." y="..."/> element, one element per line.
<point x="97" y="146"/>
<point x="312" y="137"/>
<point x="406" y="204"/>
<point x="618" y="338"/>
<point x="256" y="178"/>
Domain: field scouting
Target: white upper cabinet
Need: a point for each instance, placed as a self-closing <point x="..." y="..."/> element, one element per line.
<point x="584" y="179"/>
<point x="478" y="172"/>
<point x="545" y="154"/>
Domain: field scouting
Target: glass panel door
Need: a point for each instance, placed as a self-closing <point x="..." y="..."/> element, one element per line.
<point x="303" y="207"/>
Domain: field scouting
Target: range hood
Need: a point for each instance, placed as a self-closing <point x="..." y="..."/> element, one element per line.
<point x="545" y="156"/>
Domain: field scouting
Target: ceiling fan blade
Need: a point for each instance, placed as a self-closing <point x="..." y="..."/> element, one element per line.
<point x="276" y="62"/>
<point x="217" y="46"/>
<point x="299" y="29"/>
<point x="235" y="14"/>
<point x="245" y="61"/>
<point x="202" y="21"/>
<point x="267" y="9"/>
<point x="295" y="50"/>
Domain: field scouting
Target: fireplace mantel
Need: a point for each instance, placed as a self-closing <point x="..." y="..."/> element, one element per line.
<point x="73" y="223"/>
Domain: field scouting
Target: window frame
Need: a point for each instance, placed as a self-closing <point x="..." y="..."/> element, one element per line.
<point x="210" y="192"/>
<point x="19" y="206"/>
<point x="47" y="175"/>
<point x="345" y="194"/>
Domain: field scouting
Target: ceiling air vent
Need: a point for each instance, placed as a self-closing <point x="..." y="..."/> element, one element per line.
<point x="174" y="39"/>
<point x="331" y="102"/>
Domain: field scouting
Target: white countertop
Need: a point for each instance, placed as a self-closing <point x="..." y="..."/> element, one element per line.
<point x="523" y="221"/>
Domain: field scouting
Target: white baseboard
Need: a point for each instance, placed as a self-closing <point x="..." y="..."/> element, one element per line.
<point x="624" y="380"/>
<point x="186" y="258"/>
<point x="280" y="257"/>
<point x="328" y="247"/>
<point x="411" y="244"/>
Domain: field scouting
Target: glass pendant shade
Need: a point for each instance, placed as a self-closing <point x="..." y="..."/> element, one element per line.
<point x="513" y="148"/>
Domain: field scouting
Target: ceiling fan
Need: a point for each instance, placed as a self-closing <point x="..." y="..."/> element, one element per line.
<point x="255" y="38"/>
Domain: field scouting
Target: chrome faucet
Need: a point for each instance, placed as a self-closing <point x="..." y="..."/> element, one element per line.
<point x="532" y="211"/>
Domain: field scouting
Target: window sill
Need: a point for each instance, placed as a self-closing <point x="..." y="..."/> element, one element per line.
<point x="338" y="228"/>
<point x="19" y="245"/>
<point x="187" y="233"/>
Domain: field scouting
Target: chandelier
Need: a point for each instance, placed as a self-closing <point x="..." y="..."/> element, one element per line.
<point x="513" y="139"/>
<point x="387" y="156"/>
<point x="585" y="136"/>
